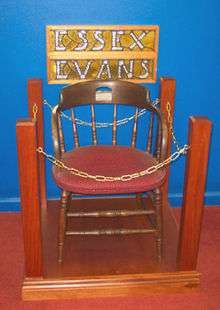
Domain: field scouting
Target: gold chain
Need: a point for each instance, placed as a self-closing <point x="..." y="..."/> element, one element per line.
<point x="170" y="122"/>
<point x="126" y="177"/>
<point x="101" y="124"/>
<point x="35" y="111"/>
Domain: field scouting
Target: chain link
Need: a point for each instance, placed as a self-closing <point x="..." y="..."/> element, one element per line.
<point x="35" y="111"/>
<point x="170" y="123"/>
<point x="102" y="124"/>
<point x="123" y="178"/>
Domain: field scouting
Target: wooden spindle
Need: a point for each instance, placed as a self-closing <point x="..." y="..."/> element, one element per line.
<point x="158" y="141"/>
<point x="114" y="128"/>
<point x="94" y="136"/>
<point x="75" y="133"/>
<point x="150" y="132"/>
<point x="134" y="133"/>
<point x="148" y="95"/>
<point x="62" y="145"/>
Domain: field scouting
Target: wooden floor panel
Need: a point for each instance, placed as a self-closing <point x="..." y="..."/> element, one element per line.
<point x="91" y="256"/>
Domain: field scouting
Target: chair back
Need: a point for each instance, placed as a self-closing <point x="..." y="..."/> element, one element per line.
<point x="115" y="93"/>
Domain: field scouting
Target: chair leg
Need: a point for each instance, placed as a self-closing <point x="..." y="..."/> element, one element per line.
<point x="64" y="202"/>
<point x="159" y="222"/>
<point x="139" y="200"/>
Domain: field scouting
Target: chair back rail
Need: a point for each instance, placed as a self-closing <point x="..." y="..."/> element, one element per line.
<point x="86" y="92"/>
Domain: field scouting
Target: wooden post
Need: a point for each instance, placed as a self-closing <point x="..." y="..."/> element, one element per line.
<point x="167" y="94"/>
<point x="35" y="91"/>
<point x="195" y="180"/>
<point x="30" y="196"/>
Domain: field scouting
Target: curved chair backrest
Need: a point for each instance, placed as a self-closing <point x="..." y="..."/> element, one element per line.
<point x="109" y="92"/>
<point x="88" y="92"/>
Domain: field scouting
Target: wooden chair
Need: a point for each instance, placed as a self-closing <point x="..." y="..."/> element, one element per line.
<point x="110" y="160"/>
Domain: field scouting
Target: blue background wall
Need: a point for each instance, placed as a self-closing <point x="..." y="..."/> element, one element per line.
<point x="189" y="50"/>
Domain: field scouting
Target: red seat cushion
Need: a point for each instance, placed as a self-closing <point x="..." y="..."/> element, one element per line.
<point x="107" y="160"/>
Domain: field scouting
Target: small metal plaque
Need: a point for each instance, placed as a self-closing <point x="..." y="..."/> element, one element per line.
<point x="103" y="96"/>
<point x="80" y="53"/>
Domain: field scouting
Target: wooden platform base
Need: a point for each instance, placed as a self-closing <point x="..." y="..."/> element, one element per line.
<point x="120" y="285"/>
<point x="107" y="265"/>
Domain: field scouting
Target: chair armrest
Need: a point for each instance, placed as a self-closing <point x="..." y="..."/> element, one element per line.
<point x="164" y="137"/>
<point x="55" y="134"/>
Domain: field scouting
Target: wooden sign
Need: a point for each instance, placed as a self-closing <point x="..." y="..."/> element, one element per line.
<point x="80" y="53"/>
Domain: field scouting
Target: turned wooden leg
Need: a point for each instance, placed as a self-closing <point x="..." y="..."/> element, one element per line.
<point x="64" y="202"/>
<point x="159" y="222"/>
